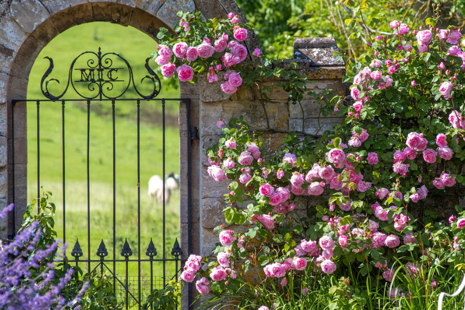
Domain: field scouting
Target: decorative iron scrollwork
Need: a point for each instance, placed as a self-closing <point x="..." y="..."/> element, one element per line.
<point x="98" y="75"/>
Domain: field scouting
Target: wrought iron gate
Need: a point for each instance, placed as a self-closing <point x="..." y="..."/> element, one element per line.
<point x="93" y="76"/>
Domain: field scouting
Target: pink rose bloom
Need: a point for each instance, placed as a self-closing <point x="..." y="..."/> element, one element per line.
<point x="275" y="199"/>
<point x="220" y="45"/>
<point x="278" y="270"/>
<point x="381" y="214"/>
<point x="394" y="24"/>
<point x="201" y="288"/>
<point x="192" y="54"/>
<point x="410" y="153"/>
<point x="400" y="168"/>
<point x="392" y="70"/>
<point x="180" y="49"/>
<point x="297" y="179"/>
<point x="229" y="163"/>
<point x="162" y="60"/>
<point x="423" y="49"/>
<point x="316" y="188"/>
<point x="346" y="207"/>
<point x="216" y="173"/>
<point x="355" y="141"/>
<point x="231" y="143"/>
<point x="429" y="156"/>
<point x="456" y="120"/>
<point x="358" y="80"/>
<point x="441" y="140"/>
<point x="442" y="34"/>
<point x="336" y="155"/>
<point x="438" y="184"/>
<point x="188" y="275"/>
<point x="335" y="183"/>
<point x="168" y="70"/>
<point x="327" y="173"/>
<point x="281" y="208"/>
<point x="388" y="275"/>
<point x="235" y="79"/>
<point x="392" y="241"/>
<point x="205" y="50"/>
<point x="263" y="308"/>
<point x="372" y="158"/>
<point x="313" y="173"/>
<point x="226" y="237"/>
<point x="403" y="29"/>
<point x="343" y="240"/>
<point x="382" y="192"/>
<point x="284" y="192"/>
<point x="373" y="226"/>
<point x="445" y="152"/>
<point x="239" y="51"/>
<point x="230" y="15"/>
<point x="229" y="60"/>
<point x="453" y="50"/>
<point x="266" y="190"/>
<point x="280" y="174"/>
<point x="445" y="89"/>
<point x="376" y="63"/>
<point x="164" y="50"/>
<point x="447" y="180"/>
<point x="218" y="274"/>
<point x="223" y="259"/>
<point x="299" y="263"/>
<point x="363" y="186"/>
<point x="355" y="92"/>
<point x="461" y="223"/>
<point x="410" y="238"/>
<point x="327" y="243"/>
<point x="422" y="192"/>
<point x="308" y="246"/>
<point x="379" y="239"/>
<point x="290" y="158"/>
<point x="453" y="37"/>
<point x="212" y="77"/>
<point x="257" y="52"/>
<point x="227" y="88"/>
<point x="240" y="34"/>
<point x="451" y="219"/>
<point x="328" y="266"/>
<point x="244" y="178"/>
<point x="376" y="75"/>
<point x="297" y="190"/>
<point x="424" y="37"/>
<point x="245" y="159"/>
<point x="399" y="156"/>
<point x="185" y="73"/>
<point x="358" y="106"/>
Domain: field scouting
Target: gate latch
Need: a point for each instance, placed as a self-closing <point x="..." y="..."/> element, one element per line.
<point x="194" y="134"/>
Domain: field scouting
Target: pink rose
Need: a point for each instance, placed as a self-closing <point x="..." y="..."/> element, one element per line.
<point x="336" y="155"/>
<point x="343" y="240"/>
<point x="212" y="77"/>
<point x="216" y="173"/>
<point x="316" y="188"/>
<point x="447" y="180"/>
<point x="297" y="179"/>
<point x="326" y="172"/>
<point x="456" y="120"/>
<point x="424" y="37"/>
<point x="162" y="60"/>
<point x="275" y="199"/>
<point x="276" y="270"/>
<point x="245" y="159"/>
<point x="192" y="54"/>
<point x="308" y="246"/>
<point x="289" y="158"/>
<point x="168" y="70"/>
<point x="257" y="52"/>
<point x="226" y="237"/>
<point x="403" y="29"/>
<point x="297" y="190"/>
<point x="438" y="184"/>
<point x="220" y="123"/>
<point x="415" y="197"/>
<point x="358" y="106"/>
<point x="451" y="219"/>
<point x="363" y="186"/>
<point x="347" y="206"/>
<point x="461" y="223"/>
<point x="230" y="60"/>
<point x="284" y="192"/>
<point x="453" y="50"/>
<point x="205" y="50"/>
<point x="263" y="308"/>
<point x="399" y="156"/>
<point x="239" y="51"/>
<point x="394" y="24"/>
<point x="202" y="286"/>
<point x="392" y="241"/>
<point x="355" y="92"/>
<point x="244" y="178"/>
<point x="180" y="49"/>
<point x="218" y="274"/>
<point x="372" y="158"/>
<point x="400" y="168"/>
<point x="376" y="63"/>
<point x="382" y="192"/>
<point x="299" y="263"/>
<point x="379" y="239"/>
<point x="422" y="192"/>
<point x="442" y="34"/>
<point x="164" y="50"/>
<point x="185" y="73"/>
<point x="454" y="36"/>
<point x="381" y="214"/>
<point x="240" y="34"/>
<point x="266" y="190"/>
<point x="227" y="88"/>
<point x="429" y="156"/>
<point x="229" y="163"/>
<point x="328" y="266"/>
<point x="388" y="275"/>
<point x="223" y="259"/>
<point x="188" y="275"/>
<point x="220" y="45"/>
<point x="235" y="79"/>
<point x="445" y="89"/>
<point x="387" y="82"/>
<point x="410" y="153"/>
<point x="326" y="243"/>
<point x="445" y="152"/>
<point x="376" y="75"/>
<point x="231" y="143"/>
<point x="355" y="141"/>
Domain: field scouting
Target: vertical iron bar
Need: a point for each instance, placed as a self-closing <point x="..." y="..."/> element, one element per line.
<point x="88" y="186"/>
<point x="176" y="273"/>
<point x="163" y="177"/>
<point x="138" y="197"/>
<point x="114" y="200"/>
<point x="38" y="154"/>
<point x="127" y="287"/>
<point x="12" y="228"/>
<point x="189" y="193"/>
<point x="151" y="279"/>
<point x="63" y="162"/>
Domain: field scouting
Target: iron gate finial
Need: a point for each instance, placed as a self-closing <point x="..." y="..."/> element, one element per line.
<point x="151" y="250"/>
<point x="102" y="250"/>
<point x="77" y="251"/>
<point x="176" y="251"/>
<point x="126" y="252"/>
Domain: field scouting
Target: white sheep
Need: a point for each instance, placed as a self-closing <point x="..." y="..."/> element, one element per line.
<point x="156" y="189"/>
<point x="172" y="182"/>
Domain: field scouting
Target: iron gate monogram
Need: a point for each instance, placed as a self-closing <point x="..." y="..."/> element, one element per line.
<point x="94" y="77"/>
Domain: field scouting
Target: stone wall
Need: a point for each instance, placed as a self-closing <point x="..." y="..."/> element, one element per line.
<point x="315" y="59"/>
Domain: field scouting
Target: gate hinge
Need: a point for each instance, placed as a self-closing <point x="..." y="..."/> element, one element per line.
<point x="194" y="134"/>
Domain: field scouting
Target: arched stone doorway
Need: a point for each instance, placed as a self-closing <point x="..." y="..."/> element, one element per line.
<point x="26" y="26"/>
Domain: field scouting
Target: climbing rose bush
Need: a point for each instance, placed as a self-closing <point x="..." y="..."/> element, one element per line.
<point x="356" y="198"/>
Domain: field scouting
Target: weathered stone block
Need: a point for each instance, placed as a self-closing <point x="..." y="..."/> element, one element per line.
<point x="167" y="13"/>
<point x="314" y="126"/>
<point x="54" y="6"/>
<point x="3" y="86"/>
<point x="6" y="58"/>
<point x="121" y="15"/>
<point x="207" y="142"/>
<point x="3" y="151"/>
<point x="210" y="114"/>
<point x="210" y="187"/>
<point x="3" y="221"/>
<point x="153" y="6"/>
<point x="209" y="241"/>
<point x="20" y="117"/>
<point x="29" y="14"/>
<point x="20" y="151"/>
<point x="3" y="183"/>
<point x="3" y="120"/>
<point x="45" y="32"/>
<point x="146" y="23"/>
<point x="11" y="34"/>
<point x="24" y="59"/>
<point x="211" y="92"/>
<point x="212" y="212"/>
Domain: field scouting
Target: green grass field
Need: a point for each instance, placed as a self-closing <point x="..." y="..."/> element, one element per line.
<point x="135" y="47"/>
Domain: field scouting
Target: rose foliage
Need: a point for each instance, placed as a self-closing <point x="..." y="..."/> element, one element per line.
<point x="355" y="199"/>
